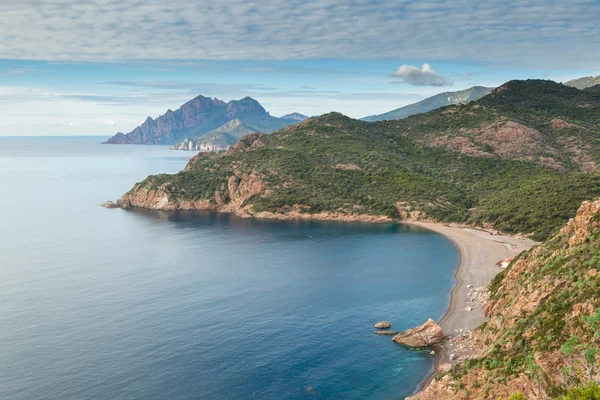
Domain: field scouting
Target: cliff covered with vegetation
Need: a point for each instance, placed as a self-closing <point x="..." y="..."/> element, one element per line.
<point x="543" y="334"/>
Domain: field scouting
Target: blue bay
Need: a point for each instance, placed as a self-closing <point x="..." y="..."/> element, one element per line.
<point x="102" y="303"/>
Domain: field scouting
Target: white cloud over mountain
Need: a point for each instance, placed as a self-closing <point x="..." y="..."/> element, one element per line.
<point x="423" y="76"/>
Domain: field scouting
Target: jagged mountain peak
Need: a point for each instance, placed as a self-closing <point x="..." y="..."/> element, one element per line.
<point x="247" y="104"/>
<point x="197" y="117"/>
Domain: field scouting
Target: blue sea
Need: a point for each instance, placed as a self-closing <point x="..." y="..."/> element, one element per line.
<point x="102" y="303"/>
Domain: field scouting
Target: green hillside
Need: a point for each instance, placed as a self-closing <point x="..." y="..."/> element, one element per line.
<point x="520" y="160"/>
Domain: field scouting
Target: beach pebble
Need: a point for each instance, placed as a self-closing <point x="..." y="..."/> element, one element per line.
<point x="469" y="286"/>
<point x="383" y="325"/>
<point x="452" y="357"/>
<point x="432" y="353"/>
<point x="468" y="309"/>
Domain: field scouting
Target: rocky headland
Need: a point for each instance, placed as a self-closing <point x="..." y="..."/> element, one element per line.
<point x="541" y="327"/>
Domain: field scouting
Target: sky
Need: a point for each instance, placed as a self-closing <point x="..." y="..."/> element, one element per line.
<point x="97" y="67"/>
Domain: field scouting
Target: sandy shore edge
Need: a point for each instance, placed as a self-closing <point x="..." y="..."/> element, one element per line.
<point x="479" y="252"/>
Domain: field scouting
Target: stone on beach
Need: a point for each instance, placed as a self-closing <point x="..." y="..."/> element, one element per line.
<point x="425" y="335"/>
<point x="383" y="325"/>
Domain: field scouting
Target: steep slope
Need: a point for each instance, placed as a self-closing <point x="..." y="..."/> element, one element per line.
<point x="520" y="160"/>
<point x="218" y="139"/>
<point x="198" y="117"/>
<point x="544" y="122"/>
<point x="583" y="83"/>
<point x="543" y="332"/>
<point x="432" y="103"/>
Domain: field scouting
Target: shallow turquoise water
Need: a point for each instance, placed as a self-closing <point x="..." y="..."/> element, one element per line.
<point x="105" y="304"/>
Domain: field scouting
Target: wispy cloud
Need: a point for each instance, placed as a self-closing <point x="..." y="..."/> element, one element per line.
<point x="194" y="86"/>
<point x="540" y="33"/>
<point x="423" y="76"/>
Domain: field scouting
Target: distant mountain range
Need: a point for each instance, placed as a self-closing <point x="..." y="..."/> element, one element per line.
<point x="296" y="116"/>
<point x="584" y="83"/>
<point x="201" y="116"/>
<point x="432" y="103"/>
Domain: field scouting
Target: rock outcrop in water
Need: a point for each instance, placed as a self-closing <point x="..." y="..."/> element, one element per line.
<point x="383" y="325"/>
<point x="428" y="334"/>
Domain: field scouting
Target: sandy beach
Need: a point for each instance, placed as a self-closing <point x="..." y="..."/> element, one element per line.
<point x="479" y="252"/>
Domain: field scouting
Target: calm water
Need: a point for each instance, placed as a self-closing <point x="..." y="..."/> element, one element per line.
<point x="107" y="304"/>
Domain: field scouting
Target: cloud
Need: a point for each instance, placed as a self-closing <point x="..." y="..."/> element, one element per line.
<point x="530" y="33"/>
<point x="423" y="76"/>
<point x="194" y="86"/>
<point x="110" y="123"/>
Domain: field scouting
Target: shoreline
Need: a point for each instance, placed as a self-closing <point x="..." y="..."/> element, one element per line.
<point x="479" y="251"/>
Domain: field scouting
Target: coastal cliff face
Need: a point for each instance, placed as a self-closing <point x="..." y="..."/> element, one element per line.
<point x="191" y="144"/>
<point x="543" y="332"/>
